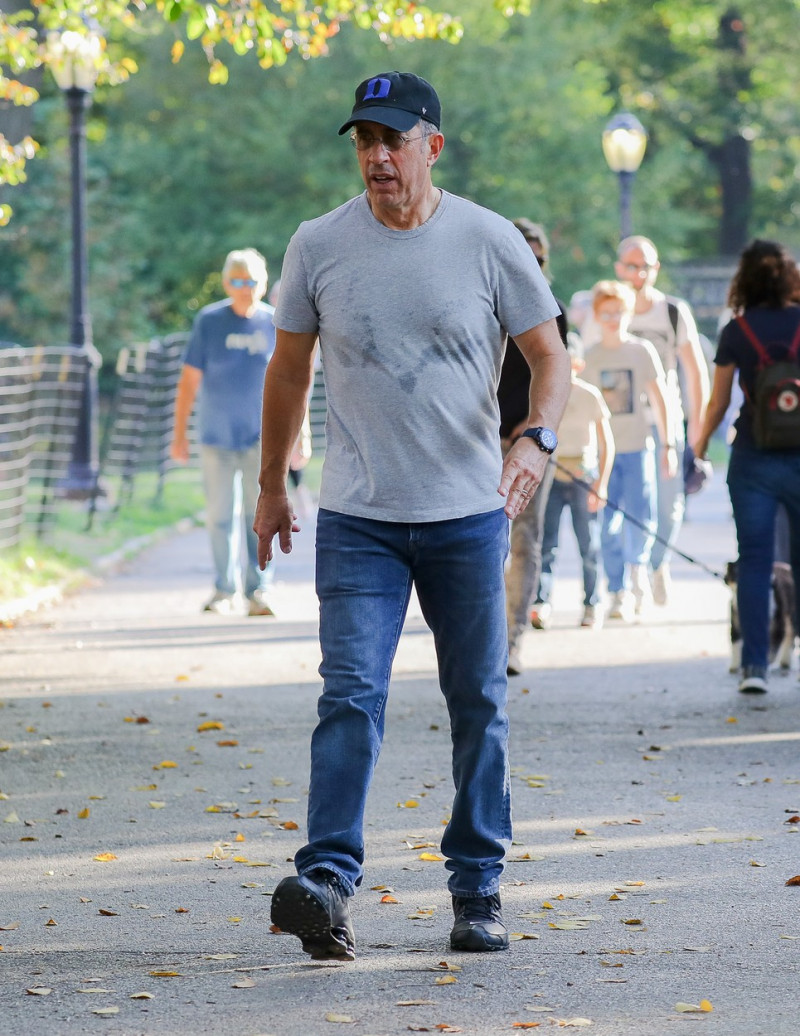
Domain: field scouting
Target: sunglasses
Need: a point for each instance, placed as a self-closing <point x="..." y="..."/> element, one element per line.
<point x="242" y="282"/>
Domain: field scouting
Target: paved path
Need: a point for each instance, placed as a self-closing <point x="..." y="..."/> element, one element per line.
<point x="651" y="802"/>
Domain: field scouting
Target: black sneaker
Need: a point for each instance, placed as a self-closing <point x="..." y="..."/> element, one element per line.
<point x="314" y="907"/>
<point x="479" y="924"/>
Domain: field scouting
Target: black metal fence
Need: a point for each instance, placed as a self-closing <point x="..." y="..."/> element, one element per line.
<point x="41" y="390"/>
<point x="40" y="401"/>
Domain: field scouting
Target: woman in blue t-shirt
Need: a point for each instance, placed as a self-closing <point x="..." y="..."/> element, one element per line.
<point x="765" y="290"/>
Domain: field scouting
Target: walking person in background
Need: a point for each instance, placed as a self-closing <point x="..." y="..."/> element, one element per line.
<point x="667" y="323"/>
<point x="231" y="344"/>
<point x="765" y="300"/>
<point x="513" y="395"/>
<point x="584" y="461"/>
<point x="629" y="374"/>
<point x="412" y="292"/>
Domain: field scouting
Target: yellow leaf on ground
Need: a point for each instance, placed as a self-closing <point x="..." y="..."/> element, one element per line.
<point x="83" y="814"/>
<point x="157" y="804"/>
<point x="104" y="857"/>
<point x="39" y="991"/>
<point x="210" y="725"/>
<point x="389" y="899"/>
<point x="520" y="936"/>
<point x="239" y="837"/>
<point x="142" y="996"/>
<point x="431" y="857"/>
<point x="445" y="980"/>
<point x="574" y="1023"/>
<point x="704" y="1007"/>
<point x="408" y="804"/>
<point x="167" y="764"/>
<point x="51" y="923"/>
<point x="105" y="1010"/>
<point x="345" y="1018"/>
<point x="12" y="818"/>
<point x="230" y="743"/>
<point x="526" y="1025"/>
<point x="166" y="974"/>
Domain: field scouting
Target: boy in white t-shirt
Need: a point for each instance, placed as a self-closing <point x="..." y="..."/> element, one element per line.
<point x="630" y="375"/>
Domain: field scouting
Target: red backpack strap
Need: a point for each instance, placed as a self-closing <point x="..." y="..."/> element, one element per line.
<point x="763" y="355"/>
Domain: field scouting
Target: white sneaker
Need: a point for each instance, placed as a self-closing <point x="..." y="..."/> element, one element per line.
<point x="592" y="618"/>
<point x="661" y="584"/>
<point x="514" y="666"/>
<point x="258" y="604"/>
<point x="621" y="606"/>
<point x="640" y="588"/>
<point x="754" y="680"/>
<point x="220" y="603"/>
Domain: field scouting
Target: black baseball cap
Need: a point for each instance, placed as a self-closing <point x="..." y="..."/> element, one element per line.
<point x="395" y="99"/>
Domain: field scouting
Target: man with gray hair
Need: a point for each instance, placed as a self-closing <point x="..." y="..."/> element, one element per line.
<point x="228" y="352"/>
<point x="668" y="323"/>
<point x="412" y="292"/>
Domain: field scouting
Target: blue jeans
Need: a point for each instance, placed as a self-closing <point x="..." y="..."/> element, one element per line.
<point x="587" y="532"/>
<point x="632" y="486"/>
<point x="365" y="572"/>
<point x="671" y="506"/>
<point x="230" y="481"/>
<point x="758" y="480"/>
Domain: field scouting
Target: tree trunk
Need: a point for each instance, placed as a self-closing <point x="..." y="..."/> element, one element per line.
<point x="732" y="161"/>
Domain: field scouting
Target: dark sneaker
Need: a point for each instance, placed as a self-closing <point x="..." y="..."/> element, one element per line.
<point x="315" y="909"/>
<point x="479" y="924"/>
<point x="754" y="679"/>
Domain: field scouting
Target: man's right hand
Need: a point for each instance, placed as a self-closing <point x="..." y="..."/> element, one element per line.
<point x="274" y="517"/>
<point x="179" y="449"/>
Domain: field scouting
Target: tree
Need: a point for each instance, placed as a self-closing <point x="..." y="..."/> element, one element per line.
<point x="269" y="29"/>
<point x="714" y="75"/>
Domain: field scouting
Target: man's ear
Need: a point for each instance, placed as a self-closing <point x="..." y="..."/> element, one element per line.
<point x="435" y="145"/>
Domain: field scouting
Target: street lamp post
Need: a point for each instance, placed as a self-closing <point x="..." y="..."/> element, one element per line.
<point x="624" y="143"/>
<point x="73" y="60"/>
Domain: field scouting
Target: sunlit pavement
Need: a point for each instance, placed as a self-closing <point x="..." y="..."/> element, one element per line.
<point x="653" y="811"/>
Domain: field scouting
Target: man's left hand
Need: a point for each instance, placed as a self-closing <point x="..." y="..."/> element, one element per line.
<point x="523" y="469"/>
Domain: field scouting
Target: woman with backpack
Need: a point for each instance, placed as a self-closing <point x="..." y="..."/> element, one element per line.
<point x="762" y="343"/>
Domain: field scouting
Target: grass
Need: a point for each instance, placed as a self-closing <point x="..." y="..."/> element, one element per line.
<point x="70" y="546"/>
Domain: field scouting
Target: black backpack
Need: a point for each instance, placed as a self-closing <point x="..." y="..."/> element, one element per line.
<point x="776" y="403"/>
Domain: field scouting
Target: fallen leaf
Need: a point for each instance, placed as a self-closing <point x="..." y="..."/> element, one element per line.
<point x="431" y="857"/>
<point x="210" y="725"/>
<point x="444" y="966"/>
<point x="108" y="913"/>
<point x="704" y="1007"/>
<point x="39" y="991"/>
<point x="526" y="1025"/>
<point x="83" y="814"/>
<point x="156" y="804"/>
<point x="794" y="881"/>
<point x="415" y="1003"/>
<point x="166" y="974"/>
<point x="12" y="926"/>
<point x="632" y="920"/>
<point x="239" y="838"/>
<point x="389" y="899"/>
<point x="519" y="936"/>
<point x="445" y="980"/>
<point x="142" y="996"/>
<point x="104" y="857"/>
<point x="408" y="804"/>
<point x="12" y="818"/>
<point x="344" y="1018"/>
<point x="167" y="764"/>
<point x="105" y="992"/>
<point x="243" y="983"/>
<point x="51" y="923"/>
<point x="576" y="1023"/>
<point x="230" y="743"/>
<point x="105" y="1010"/>
<point x="181" y="910"/>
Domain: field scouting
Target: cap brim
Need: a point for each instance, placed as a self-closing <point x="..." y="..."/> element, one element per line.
<point x="394" y="118"/>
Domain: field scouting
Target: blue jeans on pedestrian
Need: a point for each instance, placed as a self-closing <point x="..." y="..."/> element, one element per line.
<point x="632" y="486"/>
<point x="671" y="505"/>
<point x="575" y="496"/>
<point x="758" y="481"/>
<point x="365" y="573"/>
<point x="230" y="482"/>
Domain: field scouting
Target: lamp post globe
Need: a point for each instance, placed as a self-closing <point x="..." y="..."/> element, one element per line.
<point x="624" y="144"/>
<point x="73" y="58"/>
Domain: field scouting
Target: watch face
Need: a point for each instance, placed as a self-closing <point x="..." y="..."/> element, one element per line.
<point x="548" y="439"/>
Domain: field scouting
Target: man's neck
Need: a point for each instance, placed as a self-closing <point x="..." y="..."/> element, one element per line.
<point x="412" y="217"/>
<point x="646" y="298"/>
<point x="244" y="309"/>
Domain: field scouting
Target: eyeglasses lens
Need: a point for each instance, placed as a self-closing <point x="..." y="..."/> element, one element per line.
<point x="242" y="282"/>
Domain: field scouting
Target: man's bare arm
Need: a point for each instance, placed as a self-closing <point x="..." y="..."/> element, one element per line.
<point x="185" y="394"/>
<point x="286" y="386"/>
<point x="550" y="386"/>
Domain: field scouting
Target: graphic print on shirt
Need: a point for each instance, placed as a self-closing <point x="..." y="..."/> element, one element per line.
<point x="254" y="343"/>
<point x="617" y="389"/>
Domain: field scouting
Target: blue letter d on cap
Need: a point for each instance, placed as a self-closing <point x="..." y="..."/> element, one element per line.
<point x="377" y="88"/>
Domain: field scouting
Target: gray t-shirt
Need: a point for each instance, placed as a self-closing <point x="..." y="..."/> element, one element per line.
<point x="622" y="375"/>
<point x="412" y="327"/>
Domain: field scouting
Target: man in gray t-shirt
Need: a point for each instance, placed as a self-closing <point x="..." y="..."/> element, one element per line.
<point x="411" y="292"/>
